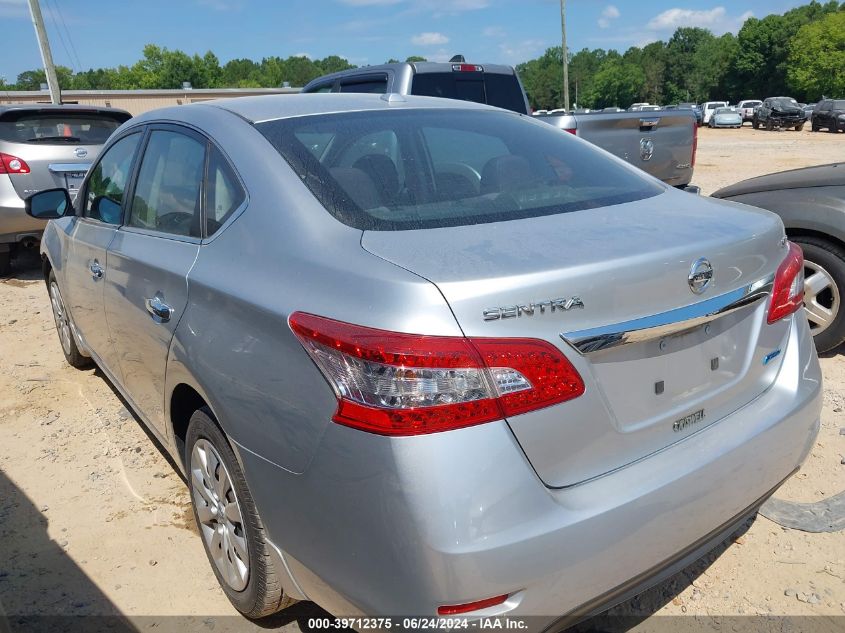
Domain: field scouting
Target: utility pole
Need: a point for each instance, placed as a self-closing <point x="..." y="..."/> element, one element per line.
<point x="565" y="55"/>
<point x="46" y="55"/>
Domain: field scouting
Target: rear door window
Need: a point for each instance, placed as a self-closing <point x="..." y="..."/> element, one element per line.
<point x="169" y="185"/>
<point x="57" y="128"/>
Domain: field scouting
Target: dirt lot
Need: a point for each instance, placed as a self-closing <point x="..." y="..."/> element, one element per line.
<point x="95" y="521"/>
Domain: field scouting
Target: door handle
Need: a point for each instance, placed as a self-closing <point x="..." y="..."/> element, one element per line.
<point x="97" y="271"/>
<point x="158" y="309"/>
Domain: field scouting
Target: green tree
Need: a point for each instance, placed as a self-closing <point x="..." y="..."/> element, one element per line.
<point x="415" y="58"/>
<point x="618" y="83"/>
<point x="816" y="62"/>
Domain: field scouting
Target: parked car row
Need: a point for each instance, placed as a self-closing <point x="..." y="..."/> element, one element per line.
<point x="44" y="146"/>
<point x="449" y="325"/>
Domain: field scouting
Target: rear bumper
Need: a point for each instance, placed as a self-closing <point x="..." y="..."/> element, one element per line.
<point x="15" y="224"/>
<point x="380" y="526"/>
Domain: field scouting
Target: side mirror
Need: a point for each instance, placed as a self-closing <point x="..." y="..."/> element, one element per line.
<point x="49" y="204"/>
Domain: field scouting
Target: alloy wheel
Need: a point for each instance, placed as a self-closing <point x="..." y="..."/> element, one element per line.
<point x="821" y="297"/>
<point x="219" y="513"/>
<point x="61" y="317"/>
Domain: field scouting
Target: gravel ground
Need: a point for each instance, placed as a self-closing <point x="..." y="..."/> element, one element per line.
<point x="95" y="521"/>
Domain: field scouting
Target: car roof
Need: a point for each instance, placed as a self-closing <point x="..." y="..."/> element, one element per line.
<point x="272" y="107"/>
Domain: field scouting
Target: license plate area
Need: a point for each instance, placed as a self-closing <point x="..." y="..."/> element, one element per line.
<point x="657" y="383"/>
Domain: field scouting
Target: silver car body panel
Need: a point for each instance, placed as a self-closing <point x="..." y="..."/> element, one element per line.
<point x="556" y="506"/>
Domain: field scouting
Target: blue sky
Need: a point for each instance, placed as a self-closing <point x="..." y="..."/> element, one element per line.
<point x="101" y="33"/>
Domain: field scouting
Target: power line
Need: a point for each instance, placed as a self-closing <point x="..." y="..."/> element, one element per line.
<point x="52" y="14"/>
<point x="69" y="38"/>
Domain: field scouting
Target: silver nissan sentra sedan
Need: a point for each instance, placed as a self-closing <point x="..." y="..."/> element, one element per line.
<point x="426" y="357"/>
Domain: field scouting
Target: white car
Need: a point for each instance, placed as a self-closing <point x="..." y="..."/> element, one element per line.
<point x="746" y="108"/>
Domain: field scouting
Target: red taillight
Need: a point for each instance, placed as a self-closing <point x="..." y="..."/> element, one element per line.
<point x="12" y="164"/>
<point x="694" y="141"/>
<point x="571" y="130"/>
<point x="478" y="605"/>
<point x="467" y="68"/>
<point x="788" y="290"/>
<point x="407" y="384"/>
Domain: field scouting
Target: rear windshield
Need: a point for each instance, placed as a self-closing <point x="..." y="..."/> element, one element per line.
<point x="495" y="89"/>
<point x="53" y="128"/>
<point x="415" y="169"/>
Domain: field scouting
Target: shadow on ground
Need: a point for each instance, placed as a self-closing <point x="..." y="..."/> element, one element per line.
<point x="41" y="587"/>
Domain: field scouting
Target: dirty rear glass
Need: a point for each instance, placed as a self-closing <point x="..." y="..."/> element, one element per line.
<point x="413" y="169"/>
<point x="57" y="128"/>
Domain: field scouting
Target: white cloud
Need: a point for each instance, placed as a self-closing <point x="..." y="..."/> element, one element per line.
<point x="493" y="31"/>
<point x="608" y="14"/>
<point x="13" y="8"/>
<point x="517" y="52"/>
<point x="715" y="19"/>
<point x="429" y="39"/>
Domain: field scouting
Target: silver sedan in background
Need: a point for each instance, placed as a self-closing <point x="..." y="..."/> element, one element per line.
<point x="427" y="357"/>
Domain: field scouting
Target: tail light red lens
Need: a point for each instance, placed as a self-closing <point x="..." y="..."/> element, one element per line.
<point x="12" y="164"/>
<point x="405" y="384"/>
<point x="788" y="290"/>
<point x="571" y="130"/>
<point x="478" y="605"/>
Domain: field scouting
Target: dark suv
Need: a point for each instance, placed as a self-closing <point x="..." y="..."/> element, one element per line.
<point x="830" y="114"/>
<point x="43" y="147"/>
<point x="779" y="112"/>
<point x="483" y="83"/>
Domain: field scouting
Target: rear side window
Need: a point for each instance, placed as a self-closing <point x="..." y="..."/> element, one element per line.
<point x="58" y="128"/>
<point x="167" y="194"/>
<point x="223" y="193"/>
<point x="502" y="91"/>
<point x="415" y="169"/>
<point x="375" y="85"/>
<point x="839" y="104"/>
<point x="107" y="182"/>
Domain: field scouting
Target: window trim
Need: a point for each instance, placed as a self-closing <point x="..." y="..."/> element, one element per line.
<point x="177" y="129"/>
<point x="130" y="184"/>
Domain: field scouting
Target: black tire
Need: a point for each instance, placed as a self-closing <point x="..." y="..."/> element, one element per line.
<point x="769" y="125"/>
<point x="263" y="594"/>
<point x="830" y="257"/>
<point x="814" y="127"/>
<point x="755" y="123"/>
<point x="799" y="127"/>
<point x="61" y="319"/>
<point x="5" y="263"/>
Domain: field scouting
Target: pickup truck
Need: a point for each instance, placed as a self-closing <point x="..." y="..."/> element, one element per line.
<point x="662" y="143"/>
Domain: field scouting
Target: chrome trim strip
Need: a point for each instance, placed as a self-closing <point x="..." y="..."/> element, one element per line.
<point x="62" y="168"/>
<point x="667" y="323"/>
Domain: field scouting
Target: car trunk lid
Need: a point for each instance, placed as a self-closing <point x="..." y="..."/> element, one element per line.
<point x="566" y="278"/>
